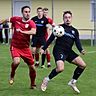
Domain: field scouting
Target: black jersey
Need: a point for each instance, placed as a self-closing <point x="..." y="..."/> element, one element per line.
<point x="66" y="42"/>
<point x="40" y="25"/>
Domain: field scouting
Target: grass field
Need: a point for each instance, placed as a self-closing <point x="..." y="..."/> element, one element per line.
<point x="57" y="87"/>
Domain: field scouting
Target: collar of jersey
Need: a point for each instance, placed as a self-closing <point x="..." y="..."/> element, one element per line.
<point x="25" y="21"/>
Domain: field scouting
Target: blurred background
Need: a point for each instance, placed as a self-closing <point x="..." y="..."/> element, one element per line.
<point x="84" y="13"/>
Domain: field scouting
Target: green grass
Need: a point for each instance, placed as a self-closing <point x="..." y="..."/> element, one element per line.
<point x="57" y="87"/>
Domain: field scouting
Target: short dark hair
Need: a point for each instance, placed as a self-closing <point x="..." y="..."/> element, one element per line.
<point x="45" y="9"/>
<point x="24" y="8"/>
<point x="39" y="8"/>
<point x="65" y="12"/>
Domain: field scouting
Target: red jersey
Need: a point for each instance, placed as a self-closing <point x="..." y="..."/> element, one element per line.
<point x="50" y="21"/>
<point x="19" y="39"/>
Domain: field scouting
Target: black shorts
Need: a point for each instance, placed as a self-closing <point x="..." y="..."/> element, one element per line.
<point x="60" y="54"/>
<point x="38" y="41"/>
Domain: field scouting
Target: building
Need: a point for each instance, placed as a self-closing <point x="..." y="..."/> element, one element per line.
<point x="81" y="9"/>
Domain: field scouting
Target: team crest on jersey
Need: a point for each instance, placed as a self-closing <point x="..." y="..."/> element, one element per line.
<point x="73" y="32"/>
<point x="26" y="25"/>
<point x="42" y="22"/>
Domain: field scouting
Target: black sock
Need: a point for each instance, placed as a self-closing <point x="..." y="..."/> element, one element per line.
<point x="33" y="56"/>
<point x="53" y="74"/>
<point x="43" y="59"/>
<point x="78" y="71"/>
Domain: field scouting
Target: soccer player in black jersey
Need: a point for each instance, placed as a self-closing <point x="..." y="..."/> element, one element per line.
<point x="63" y="51"/>
<point x="39" y="40"/>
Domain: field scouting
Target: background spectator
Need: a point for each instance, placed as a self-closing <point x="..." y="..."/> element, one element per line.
<point x="1" y="34"/>
<point x="6" y="31"/>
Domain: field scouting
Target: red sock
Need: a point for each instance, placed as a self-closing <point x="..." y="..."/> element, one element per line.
<point x="37" y="56"/>
<point x="13" y="69"/>
<point x="32" y="74"/>
<point x="48" y="57"/>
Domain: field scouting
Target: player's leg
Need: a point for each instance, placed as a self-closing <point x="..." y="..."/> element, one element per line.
<point x="33" y="45"/>
<point x="32" y="75"/>
<point x="48" y="58"/>
<point x="37" y="57"/>
<point x="59" y="58"/>
<point x="77" y="60"/>
<point x="1" y="36"/>
<point x="43" y="56"/>
<point x="28" y="58"/>
<point x="15" y="63"/>
<point x="6" y="35"/>
<point x="59" y="68"/>
<point x="80" y="67"/>
<point x="33" y="52"/>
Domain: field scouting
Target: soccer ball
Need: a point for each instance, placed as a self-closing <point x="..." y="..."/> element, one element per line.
<point x="58" y="31"/>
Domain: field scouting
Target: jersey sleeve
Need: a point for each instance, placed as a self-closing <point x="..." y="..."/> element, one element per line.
<point x="13" y="19"/>
<point x="50" y="21"/>
<point x="77" y="42"/>
<point x="32" y="24"/>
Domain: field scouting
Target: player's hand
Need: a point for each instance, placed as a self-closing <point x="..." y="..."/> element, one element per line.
<point x="19" y="30"/>
<point x="83" y="52"/>
<point x="42" y="51"/>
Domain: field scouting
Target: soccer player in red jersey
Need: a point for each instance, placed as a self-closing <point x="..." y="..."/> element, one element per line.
<point x="23" y="27"/>
<point x="41" y="36"/>
<point x="47" y="35"/>
<point x="39" y="40"/>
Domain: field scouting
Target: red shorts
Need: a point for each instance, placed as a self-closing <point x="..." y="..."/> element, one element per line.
<point x="24" y="53"/>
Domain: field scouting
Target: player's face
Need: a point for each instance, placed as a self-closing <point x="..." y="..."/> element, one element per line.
<point x="40" y="12"/>
<point x="26" y="13"/>
<point x="45" y="13"/>
<point x="67" y="19"/>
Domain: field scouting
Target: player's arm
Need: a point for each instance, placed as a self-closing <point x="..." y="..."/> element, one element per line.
<point x="78" y="44"/>
<point x="48" y="30"/>
<point x="51" y="38"/>
<point x="4" y="21"/>
<point x="30" y="32"/>
<point x="50" y="22"/>
<point x="33" y="29"/>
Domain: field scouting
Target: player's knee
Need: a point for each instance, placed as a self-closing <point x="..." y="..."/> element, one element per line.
<point x="34" y="50"/>
<point x="60" y="66"/>
<point x="31" y="67"/>
<point x="47" y="51"/>
<point x="60" y="69"/>
<point x="83" y="65"/>
<point x="16" y="62"/>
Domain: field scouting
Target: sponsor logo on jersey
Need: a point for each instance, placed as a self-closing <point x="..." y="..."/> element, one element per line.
<point x="69" y="35"/>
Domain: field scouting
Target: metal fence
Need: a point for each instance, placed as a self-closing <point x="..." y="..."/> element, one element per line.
<point x="87" y="34"/>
